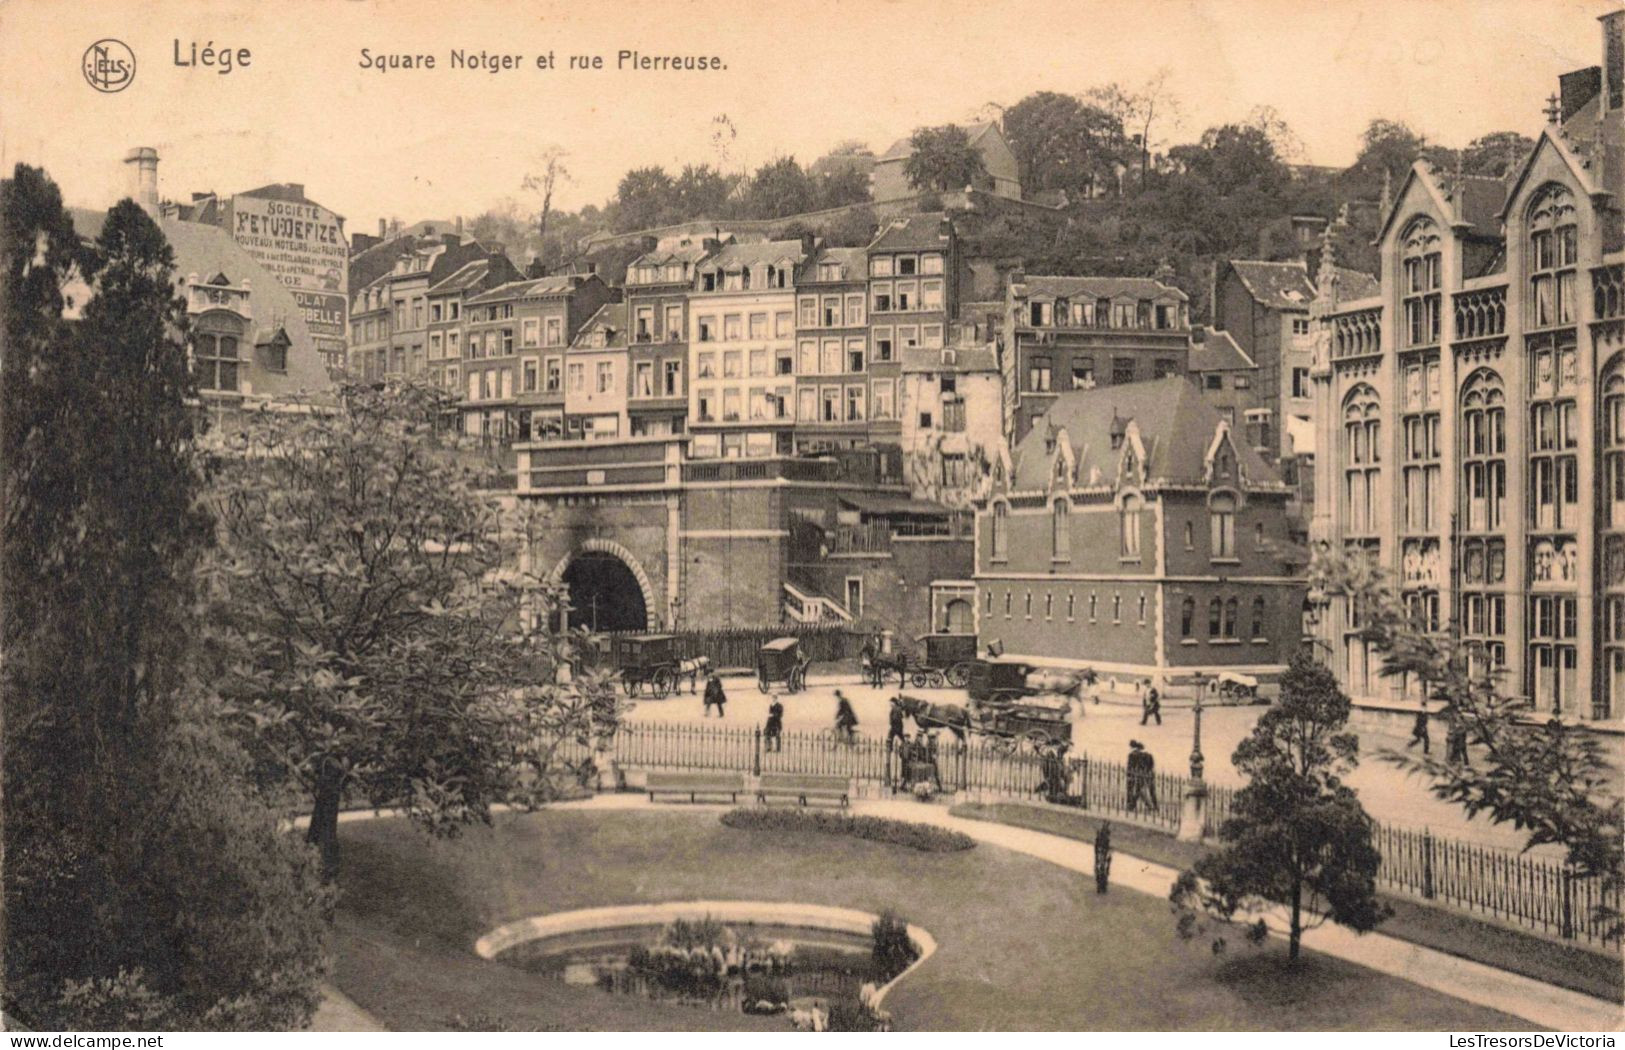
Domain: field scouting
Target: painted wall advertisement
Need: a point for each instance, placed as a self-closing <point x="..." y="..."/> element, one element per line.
<point x="303" y="245"/>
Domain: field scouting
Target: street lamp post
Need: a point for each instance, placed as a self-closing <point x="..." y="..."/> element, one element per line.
<point x="1197" y="762"/>
<point x="1193" y="810"/>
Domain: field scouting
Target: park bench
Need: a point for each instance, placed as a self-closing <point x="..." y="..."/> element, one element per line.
<point x="695" y="784"/>
<point x="802" y="787"/>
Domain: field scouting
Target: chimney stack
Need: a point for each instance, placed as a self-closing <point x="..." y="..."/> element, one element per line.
<point x="144" y="178"/>
<point x="383" y="230"/>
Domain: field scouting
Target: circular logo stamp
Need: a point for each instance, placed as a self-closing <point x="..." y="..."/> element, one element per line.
<point x="109" y="65"/>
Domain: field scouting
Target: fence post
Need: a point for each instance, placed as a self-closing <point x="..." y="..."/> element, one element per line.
<point x="1084" y="797"/>
<point x="1427" y="864"/>
<point x="756" y="751"/>
<point x="1566" y="930"/>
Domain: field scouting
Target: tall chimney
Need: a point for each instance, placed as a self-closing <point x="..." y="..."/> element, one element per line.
<point x="144" y="178"/>
<point x="383" y="229"/>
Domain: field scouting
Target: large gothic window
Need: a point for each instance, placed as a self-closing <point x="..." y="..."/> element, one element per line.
<point x="1610" y="698"/>
<point x="1420" y="260"/>
<point x="1420" y="469"/>
<point x="1001" y="530"/>
<point x="1553" y="520"/>
<point x="1482" y="517"/>
<point x="1362" y="461"/>
<point x="1553" y="258"/>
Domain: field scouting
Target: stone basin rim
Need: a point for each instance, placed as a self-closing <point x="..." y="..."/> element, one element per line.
<point x="621" y="916"/>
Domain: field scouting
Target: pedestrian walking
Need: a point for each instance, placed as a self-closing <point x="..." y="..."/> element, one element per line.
<point x="714" y="695"/>
<point x="1456" y="744"/>
<point x="773" y="732"/>
<point x="1151" y="704"/>
<point x="1148" y="778"/>
<point x="895" y="721"/>
<point x="1134" y="780"/>
<point x="1419" y="731"/>
<point x="1103" y="856"/>
<point x="846" y="719"/>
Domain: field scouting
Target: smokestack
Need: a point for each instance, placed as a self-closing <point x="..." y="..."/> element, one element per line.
<point x="144" y="178"/>
<point x="383" y="230"/>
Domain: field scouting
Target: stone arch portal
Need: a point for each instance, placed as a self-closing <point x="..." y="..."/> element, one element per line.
<point x="607" y="588"/>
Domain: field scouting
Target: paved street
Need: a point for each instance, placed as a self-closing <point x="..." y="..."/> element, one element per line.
<point x="1389" y="795"/>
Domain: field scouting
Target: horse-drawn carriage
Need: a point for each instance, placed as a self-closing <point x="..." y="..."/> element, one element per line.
<point x="647" y="661"/>
<point x="949" y="659"/>
<point x="1034" y="722"/>
<point x="1233" y="687"/>
<point x="781" y="660"/>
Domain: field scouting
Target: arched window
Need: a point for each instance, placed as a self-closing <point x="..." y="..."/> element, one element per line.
<point x="1553" y="257"/>
<point x="1610" y="699"/>
<point x="1128" y="531"/>
<point x="1483" y="453"/>
<point x="1256" y="628"/>
<point x="1230" y="618"/>
<point x="1420" y="258"/>
<point x="1215" y="613"/>
<point x="1222" y="525"/>
<point x="1362" y="460"/>
<point x="1187" y="617"/>
<point x="1060" y="530"/>
<point x="1001" y="530"/>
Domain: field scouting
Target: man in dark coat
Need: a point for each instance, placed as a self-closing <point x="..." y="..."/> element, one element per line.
<point x="1133" y="781"/>
<point x="1456" y="743"/>
<point x="773" y="732"/>
<point x="896" y="732"/>
<point x="1419" y="731"/>
<point x="714" y="695"/>
<point x="846" y="719"/>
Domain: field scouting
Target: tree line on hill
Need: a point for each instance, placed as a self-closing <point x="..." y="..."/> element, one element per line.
<point x="1123" y="200"/>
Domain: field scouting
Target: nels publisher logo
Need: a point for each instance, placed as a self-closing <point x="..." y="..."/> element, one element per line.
<point x="109" y="65"/>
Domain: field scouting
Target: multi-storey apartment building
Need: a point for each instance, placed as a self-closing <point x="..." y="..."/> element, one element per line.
<point x="1472" y="412"/>
<point x="516" y="331"/>
<point x="1078" y="333"/>
<point x="913" y="298"/>
<point x="390" y="314"/>
<point x="595" y="382"/>
<point x="742" y="346"/>
<point x="1135" y="535"/>
<point x="952" y="420"/>
<point x="836" y="401"/>
<point x="445" y="322"/>
<point x="657" y="288"/>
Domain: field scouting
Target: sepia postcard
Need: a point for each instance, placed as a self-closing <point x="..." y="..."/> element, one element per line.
<point x="883" y="516"/>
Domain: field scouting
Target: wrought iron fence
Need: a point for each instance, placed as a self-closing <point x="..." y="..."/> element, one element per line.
<point x="1534" y="893"/>
<point x="737" y="646"/>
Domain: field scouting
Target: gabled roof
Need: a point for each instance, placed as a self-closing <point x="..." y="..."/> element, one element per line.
<point x="1277" y="285"/>
<point x="558" y="284"/>
<point x="903" y="148"/>
<point x="610" y="318"/>
<point x="1176" y="425"/>
<point x="1054" y="287"/>
<point x="1571" y="153"/>
<point x="739" y="256"/>
<point x="913" y="232"/>
<point x="1218" y="352"/>
<point x="854" y="263"/>
<point x="468" y="277"/>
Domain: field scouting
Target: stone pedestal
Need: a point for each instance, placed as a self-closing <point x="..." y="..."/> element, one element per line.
<point x="1193" y="812"/>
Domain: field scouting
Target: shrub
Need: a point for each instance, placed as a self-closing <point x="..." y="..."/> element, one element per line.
<point x="894" y="952"/>
<point x="923" y="837"/>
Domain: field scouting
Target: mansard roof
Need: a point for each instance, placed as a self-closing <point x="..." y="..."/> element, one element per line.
<point x="1176" y="424"/>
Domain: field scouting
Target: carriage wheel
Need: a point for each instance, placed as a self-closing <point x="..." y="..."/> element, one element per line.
<point x="1036" y="740"/>
<point x="1002" y="744"/>
<point x="936" y="680"/>
<point x="662" y="682"/>
<point x="918" y="679"/>
<point x="761" y="681"/>
<point x="958" y="675"/>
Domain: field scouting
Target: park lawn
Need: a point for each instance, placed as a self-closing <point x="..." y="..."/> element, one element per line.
<point x="1442" y="929"/>
<point x="1022" y="944"/>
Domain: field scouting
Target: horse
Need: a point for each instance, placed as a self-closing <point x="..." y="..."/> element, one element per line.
<point x="928" y="715"/>
<point x="878" y="665"/>
<point x="694" y="668"/>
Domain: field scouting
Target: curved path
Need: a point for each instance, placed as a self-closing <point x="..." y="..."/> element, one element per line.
<point x="1543" y="1004"/>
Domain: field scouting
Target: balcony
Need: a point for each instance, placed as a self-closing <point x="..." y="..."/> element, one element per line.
<point x="1357" y="333"/>
<point x="1481" y="314"/>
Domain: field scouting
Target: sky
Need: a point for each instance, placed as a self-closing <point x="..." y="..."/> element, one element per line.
<point x="798" y="78"/>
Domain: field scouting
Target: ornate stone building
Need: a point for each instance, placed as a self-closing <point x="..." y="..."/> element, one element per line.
<point x="1473" y="412"/>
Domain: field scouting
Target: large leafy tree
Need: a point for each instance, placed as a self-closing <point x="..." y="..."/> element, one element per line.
<point x="780" y="188"/>
<point x="378" y="640"/>
<point x="644" y="198"/>
<point x="1548" y="779"/>
<point x="1063" y="143"/>
<point x="944" y="159"/>
<point x="143" y="881"/>
<point x="702" y="191"/>
<point x="1297" y="835"/>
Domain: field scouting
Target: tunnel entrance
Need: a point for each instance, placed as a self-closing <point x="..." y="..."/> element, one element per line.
<point x="604" y="594"/>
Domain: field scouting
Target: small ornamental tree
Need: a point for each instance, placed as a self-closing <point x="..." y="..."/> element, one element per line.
<point x="1550" y="780"/>
<point x="944" y="160"/>
<point x="377" y="636"/>
<point x="1297" y="836"/>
